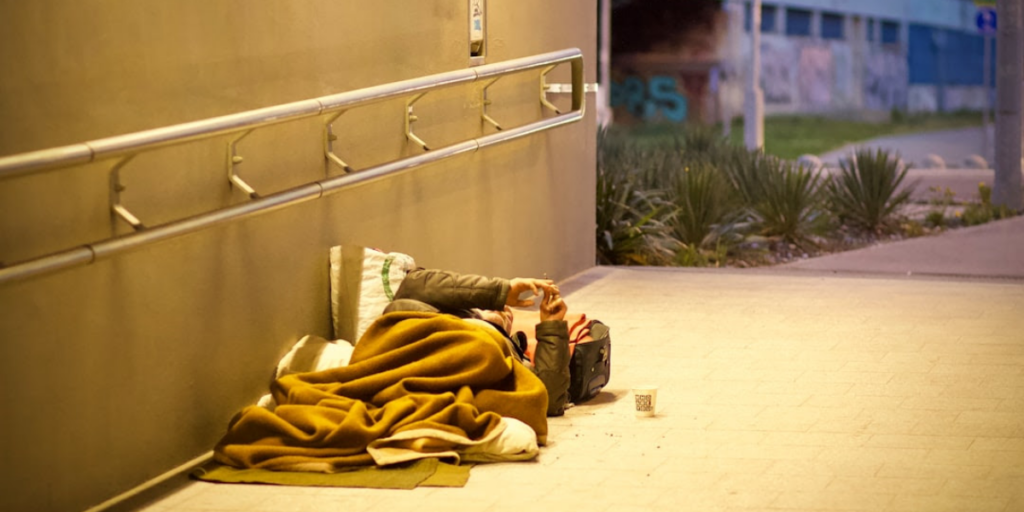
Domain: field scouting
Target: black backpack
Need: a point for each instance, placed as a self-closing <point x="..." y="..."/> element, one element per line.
<point x="590" y="366"/>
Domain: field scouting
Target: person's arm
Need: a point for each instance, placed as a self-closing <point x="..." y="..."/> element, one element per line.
<point x="551" y="356"/>
<point x="451" y="292"/>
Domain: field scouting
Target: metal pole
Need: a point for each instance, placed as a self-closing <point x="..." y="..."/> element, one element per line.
<point x="604" y="111"/>
<point x="753" y="102"/>
<point x="939" y="41"/>
<point x="986" y="75"/>
<point x="731" y="62"/>
<point x="1006" y="189"/>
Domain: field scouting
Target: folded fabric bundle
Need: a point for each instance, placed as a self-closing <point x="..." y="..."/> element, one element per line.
<point x="418" y="385"/>
<point x="420" y="473"/>
<point x="310" y="354"/>
<point x="363" y="283"/>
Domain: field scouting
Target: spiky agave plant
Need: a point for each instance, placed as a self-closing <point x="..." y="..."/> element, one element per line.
<point x="745" y="171"/>
<point x="706" y="208"/>
<point x="702" y="141"/>
<point x="631" y="221"/>
<point x="791" y="202"/>
<point x="867" y="192"/>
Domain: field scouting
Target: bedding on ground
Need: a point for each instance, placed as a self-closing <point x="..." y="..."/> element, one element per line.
<point x="417" y="385"/>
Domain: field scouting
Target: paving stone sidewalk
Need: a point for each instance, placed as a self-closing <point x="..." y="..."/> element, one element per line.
<point x="783" y="392"/>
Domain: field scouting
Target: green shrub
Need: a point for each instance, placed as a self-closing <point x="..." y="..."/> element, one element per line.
<point x="975" y="214"/>
<point x="913" y="229"/>
<point x="702" y="142"/>
<point x="935" y="219"/>
<point x="985" y="211"/>
<point x="705" y="210"/>
<point x="780" y="199"/>
<point x="672" y="176"/>
<point x="631" y="220"/>
<point x="692" y="256"/>
<point x="866" y="192"/>
<point x="984" y="193"/>
<point x="896" y="116"/>
<point x="790" y="206"/>
<point x="943" y="199"/>
<point x="708" y="216"/>
<point x="745" y="171"/>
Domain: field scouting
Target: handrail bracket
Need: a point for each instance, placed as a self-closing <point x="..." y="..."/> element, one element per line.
<point x="411" y="118"/>
<point x="544" y="90"/>
<point x="329" y="138"/>
<point x="117" y="210"/>
<point x="233" y="160"/>
<point x="484" y="103"/>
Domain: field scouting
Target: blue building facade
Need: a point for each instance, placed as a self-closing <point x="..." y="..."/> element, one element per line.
<point x="837" y="55"/>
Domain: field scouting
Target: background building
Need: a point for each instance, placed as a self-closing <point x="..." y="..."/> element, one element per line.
<point x="817" y="56"/>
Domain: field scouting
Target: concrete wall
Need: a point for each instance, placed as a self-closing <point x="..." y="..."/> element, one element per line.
<point x="116" y="372"/>
<point x="928" y="98"/>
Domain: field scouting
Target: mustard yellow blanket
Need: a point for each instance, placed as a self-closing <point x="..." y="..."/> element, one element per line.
<point x="411" y="372"/>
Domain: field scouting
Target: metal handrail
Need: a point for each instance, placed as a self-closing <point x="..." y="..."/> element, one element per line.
<point x="130" y="144"/>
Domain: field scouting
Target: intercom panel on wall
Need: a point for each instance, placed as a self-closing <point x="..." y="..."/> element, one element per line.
<point x="477" y="32"/>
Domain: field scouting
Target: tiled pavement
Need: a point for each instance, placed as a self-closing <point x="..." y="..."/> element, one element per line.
<point x="777" y="392"/>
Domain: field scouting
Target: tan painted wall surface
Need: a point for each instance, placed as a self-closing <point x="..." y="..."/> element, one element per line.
<point x="118" y="371"/>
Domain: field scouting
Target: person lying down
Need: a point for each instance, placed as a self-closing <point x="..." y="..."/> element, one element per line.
<point x="439" y="374"/>
<point x="489" y="301"/>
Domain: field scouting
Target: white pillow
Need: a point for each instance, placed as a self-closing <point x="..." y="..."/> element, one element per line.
<point x="363" y="283"/>
<point x="314" y="354"/>
<point x="310" y="354"/>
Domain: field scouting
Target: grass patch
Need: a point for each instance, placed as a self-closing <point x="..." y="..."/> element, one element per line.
<point x="791" y="136"/>
<point x="788" y="137"/>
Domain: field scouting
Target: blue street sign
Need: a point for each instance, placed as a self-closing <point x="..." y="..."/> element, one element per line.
<point x="986" y="20"/>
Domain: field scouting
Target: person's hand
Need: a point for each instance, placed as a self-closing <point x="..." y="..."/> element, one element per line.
<point x="520" y="285"/>
<point x="552" y="307"/>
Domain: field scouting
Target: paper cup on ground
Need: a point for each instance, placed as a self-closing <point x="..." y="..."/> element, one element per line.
<point x="646" y="398"/>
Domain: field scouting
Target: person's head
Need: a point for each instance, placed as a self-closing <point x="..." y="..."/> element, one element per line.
<point x="501" y="318"/>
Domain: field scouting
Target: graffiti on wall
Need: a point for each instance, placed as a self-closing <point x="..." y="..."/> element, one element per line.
<point x="925" y="98"/>
<point x="964" y="98"/>
<point x="842" y="70"/>
<point x="777" y="71"/>
<point x="922" y="98"/>
<point x="885" y="81"/>
<point x="815" y="81"/>
<point x="808" y="75"/>
<point x="657" y="98"/>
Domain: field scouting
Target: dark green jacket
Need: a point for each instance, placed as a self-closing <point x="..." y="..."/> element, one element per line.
<point x="456" y="294"/>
